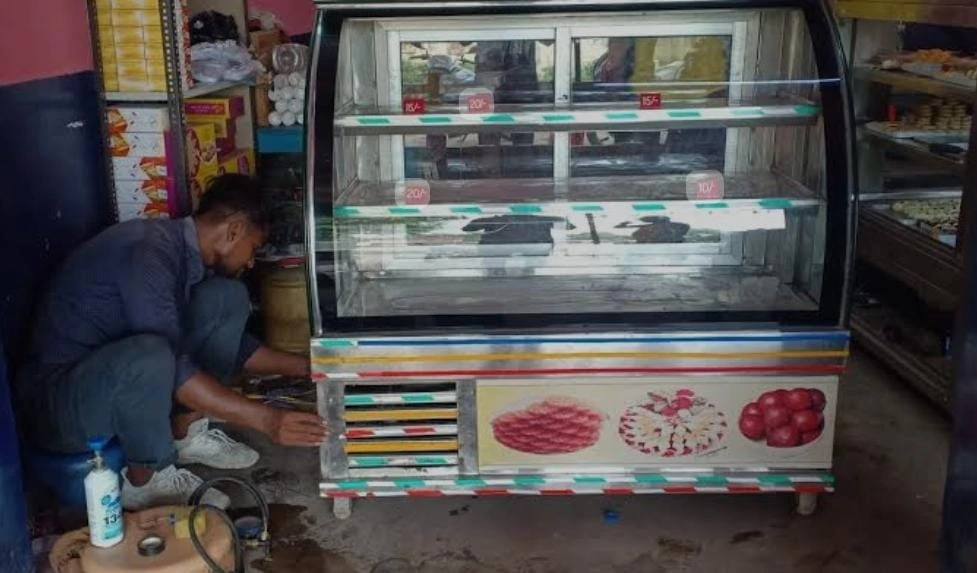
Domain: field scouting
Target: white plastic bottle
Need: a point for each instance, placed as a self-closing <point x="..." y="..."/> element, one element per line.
<point x="103" y="500"/>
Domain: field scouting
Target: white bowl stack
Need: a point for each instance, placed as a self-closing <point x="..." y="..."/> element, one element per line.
<point x="288" y="95"/>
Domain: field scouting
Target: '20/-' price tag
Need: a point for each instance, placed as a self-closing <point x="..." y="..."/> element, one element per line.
<point x="412" y="192"/>
<point x="476" y="100"/>
<point x="414" y="105"/>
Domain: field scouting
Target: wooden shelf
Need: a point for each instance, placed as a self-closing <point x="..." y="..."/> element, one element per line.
<point x="960" y="13"/>
<point x="912" y="82"/>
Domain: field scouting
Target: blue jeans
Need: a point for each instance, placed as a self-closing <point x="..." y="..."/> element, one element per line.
<point x="125" y="388"/>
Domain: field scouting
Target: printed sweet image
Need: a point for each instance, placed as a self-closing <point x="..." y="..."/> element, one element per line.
<point x="549" y="425"/>
<point x="784" y="418"/>
<point x="670" y="426"/>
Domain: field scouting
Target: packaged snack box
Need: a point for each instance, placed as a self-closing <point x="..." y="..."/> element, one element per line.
<point x="223" y="127"/>
<point x="137" y="118"/>
<point x="137" y="144"/>
<point x="137" y="17"/>
<point x="227" y="107"/>
<point x="139" y="168"/>
<point x="150" y="190"/>
<point x="238" y="161"/>
<point x="135" y="4"/>
<point x="151" y="210"/>
<point x="201" y="151"/>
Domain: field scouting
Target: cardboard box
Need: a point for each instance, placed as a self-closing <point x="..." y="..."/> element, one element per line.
<point x="130" y="52"/>
<point x="140" y="17"/>
<point x="137" y="144"/>
<point x="154" y="53"/>
<point x="106" y="37"/>
<point x="135" y="35"/>
<point x="137" y="118"/>
<point x="150" y="210"/>
<point x="134" y="69"/>
<point x="230" y="107"/>
<point x="103" y="6"/>
<point x="238" y="161"/>
<point x="109" y="61"/>
<point x="139" y="168"/>
<point x="154" y="36"/>
<point x="134" y="84"/>
<point x="225" y="145"/>
<point x="135" y="4"/>
<point x="111" y="84"/>
<point x="201" y="150"/>
<point x="157" y="189"/>
<point x="157" y="83"/>
<point x="223" y="127"/>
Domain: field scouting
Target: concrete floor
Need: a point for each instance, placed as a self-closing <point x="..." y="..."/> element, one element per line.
<point x="890" y="461"/>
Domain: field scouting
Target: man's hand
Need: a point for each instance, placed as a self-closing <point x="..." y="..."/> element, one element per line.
<point x="290" y="428"/>
<point x="202" y="393"/>
<point x="267" y="360"/>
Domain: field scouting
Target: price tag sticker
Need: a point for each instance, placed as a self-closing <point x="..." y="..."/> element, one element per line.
<point x="414" y="105"/>
<point x="476" y="100"/>
<point x="705" y="186"/>
<point x="650" y="100"/>
<point x="413" y="192"/>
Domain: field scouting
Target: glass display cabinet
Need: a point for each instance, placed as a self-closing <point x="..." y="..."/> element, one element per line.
<point x="578" y="247"/>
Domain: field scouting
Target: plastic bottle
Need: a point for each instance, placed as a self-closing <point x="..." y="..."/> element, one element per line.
<point x="102" y="498"/>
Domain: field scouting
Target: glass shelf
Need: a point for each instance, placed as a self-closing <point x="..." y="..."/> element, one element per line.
<point x="576" y="119"/>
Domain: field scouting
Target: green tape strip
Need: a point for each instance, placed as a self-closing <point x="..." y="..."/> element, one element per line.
<point x="620" y="115"/>
<point x="409" y="482"/>
<point x="558" y="117"/>
<point x="711" y="480"/>
<point x="522" y="480"/>
<point x="417" y="398"/>
<point x="432" y="461"/>
<point x="589" y="479"/>
<point x="403" y="210"/>
<point x="587" y="208"/>
<point x="470" y="482"/>
<point x="351" y="484"/>
<point x="336" y="342"/>
<point x="368" y="462"/>
<point x="499" y="118"/>
<point x="355" y="400"/>
<point x="373" y="121"/>
<point x="684" y="114"/>
<point x="775" y="203"/>
<point x="774" y="479"/>
<point x="807" y="109"/>
<point x="747" y="112"/>
<point x="475" y="210"/>
<point x="648" y="207"/>
<point x="345" y="211"/>
<point x="717" y="205"/>
<point x="651" y="478"/>
<point x="436" y="119"/>
<point x="526" y="209"/>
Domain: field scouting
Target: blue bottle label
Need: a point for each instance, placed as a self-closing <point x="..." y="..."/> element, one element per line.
<point x="113" y="516"/>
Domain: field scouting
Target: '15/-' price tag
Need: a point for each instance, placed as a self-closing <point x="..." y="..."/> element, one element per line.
<point x="650" y="100"/>
<point x="414" y="105"/>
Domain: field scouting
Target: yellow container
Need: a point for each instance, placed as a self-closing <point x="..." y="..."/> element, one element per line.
<point x="284" y="306"/>
<point x="133" y="69"/>
<point x="135" y="35"/>
<point x="135" y="18"/>
<point x="153" y="36"/>
<point x="130" y="52"/>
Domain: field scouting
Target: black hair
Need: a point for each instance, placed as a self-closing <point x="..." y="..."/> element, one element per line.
<point x="233" y="193"/>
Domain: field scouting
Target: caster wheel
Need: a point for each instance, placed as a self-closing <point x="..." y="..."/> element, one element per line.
<point x="342" y="507"/>
<point x="807" y="504"/>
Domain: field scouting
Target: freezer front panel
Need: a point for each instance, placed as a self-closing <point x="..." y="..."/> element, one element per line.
<point x="612" y="166"/>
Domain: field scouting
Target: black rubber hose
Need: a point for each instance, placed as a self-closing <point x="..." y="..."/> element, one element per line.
<point x="214" y="566"/>
<point x="258" y="497"/>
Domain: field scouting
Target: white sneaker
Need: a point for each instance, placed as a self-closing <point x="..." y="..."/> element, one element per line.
<point x="168" y="486"/>
<point x="212" y="447"/>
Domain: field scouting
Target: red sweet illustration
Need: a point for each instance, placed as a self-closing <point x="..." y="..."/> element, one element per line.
<point x="670" y="426"/>
<point x="550" y="425"/>
<point x="784" y="419"/>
